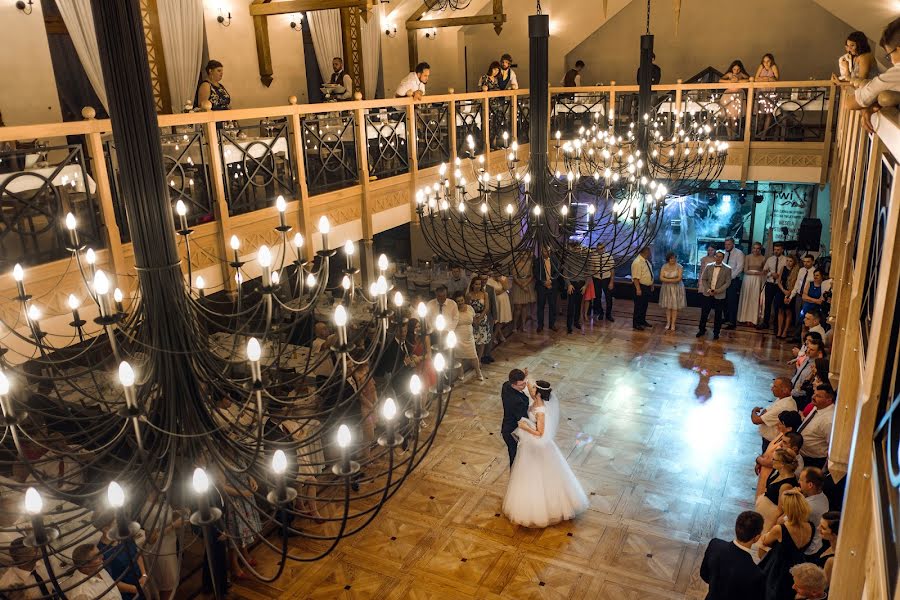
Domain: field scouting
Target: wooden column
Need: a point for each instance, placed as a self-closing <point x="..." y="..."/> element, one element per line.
<point x="748" y="131"/>
<point x="486" y="131"/>
<point x="303" y="217"/>
<point x="451" y="127"/>
<point x="514" y="117"/>
<point x="412" y="145"/>
<point x="367" y="270"/>
<point x="612" y="105"/>
<point x="829" y="123"/>
<point x="263" y="51"/>
<point x="351" y="35"/>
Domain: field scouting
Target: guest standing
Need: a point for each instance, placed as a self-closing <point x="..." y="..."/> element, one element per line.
<point x="829" y="525"/>
<point x="751" y="289"/>
<point x="420" y="353"/>
<point x="587" y="299"/>
<point x="211" y="88"/>
<point x="413" y="85"/>
<point x="734" y="258"/>
<point x="858" y="62"/>
<point x="242" y="518"/>
<point x="604" y="281"/>
<point x="816" y="428"/>
<point x="772" y="272"/>
<point x="488" y="81"/>
<point x="123" y="561"/>
<point x="767" y="418"/>
<point x="715" y="281"/>
<point x="546" y="272"/>
<point x="478" y="300"/>
<point x="783" y="477"/>
<point x="813" y="295"/>
<point x="506" y="78"/>
<point x="767" y="101"/>
<point x="732" y="100"/>
<point x="458" y="282"/>
<point x="465" y="337"/>
<point x="785" y="309"/>
<point x="573" y="76"/>
<point x="93" y="578"/>
<point x="706" y="260"/>
<point x="810" y="485"/>
<point x="642" y="279"/>
<point x="671" y="292"/>
<point x="577" y="263"/>
<point x="504" y="308"/>
<point x="729" y="568"/>
<point x="786" y="543"/>
<point x="523" y="293"/>
<point x="809" y="582"/>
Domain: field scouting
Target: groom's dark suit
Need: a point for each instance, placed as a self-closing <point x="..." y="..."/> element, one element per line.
<point x="515" y="406"/>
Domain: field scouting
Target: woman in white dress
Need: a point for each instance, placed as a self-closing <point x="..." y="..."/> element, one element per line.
<point x="542" y="488"/>
<point x="465" y="337"/>
<point x="751" y="289"/>
<point x="671" y="292"/>
<point x="504" y="307"/>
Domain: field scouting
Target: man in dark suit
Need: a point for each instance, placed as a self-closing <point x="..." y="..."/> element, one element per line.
<point x="546" y="272"/>
<point x="515" y="406"/>
<point x="729" y="568"/>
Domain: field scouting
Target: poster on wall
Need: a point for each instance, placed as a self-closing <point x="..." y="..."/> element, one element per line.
<point x="791" y="205"/>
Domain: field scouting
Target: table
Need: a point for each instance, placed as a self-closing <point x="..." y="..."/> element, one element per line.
<point x="424" y="277"/>
<point x="70" y="177"/>
<point x="232" y="347"/>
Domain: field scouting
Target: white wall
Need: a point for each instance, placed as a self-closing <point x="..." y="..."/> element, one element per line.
<point x="235" y="48"/>
<point x="28" y="93"/>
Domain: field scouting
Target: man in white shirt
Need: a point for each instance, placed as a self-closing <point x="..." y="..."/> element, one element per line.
<point x="866" y="97"/>
<point x="816" y="428"/>
<point x="413" y="85"/>
<point x="604" y="281"/>
<point x="642" y="278"/>
<point x="342" y="78"/>
<point x="715" y="282"/>
<point x="767" y="418"/>
<point x="772" y="269"/>
<point x="804" y="275"/>
<point x="804" y="372"/>
<point x="734" y="258"/>
<point x="27" y="577"/>
<point x="441" y="305"/>
<point x="458" y="282"/>
<point x="811" y="482"/>
<point x="95" y="581"/>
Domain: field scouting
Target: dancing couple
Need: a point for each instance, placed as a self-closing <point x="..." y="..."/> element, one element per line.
<point x="542" y="488"/>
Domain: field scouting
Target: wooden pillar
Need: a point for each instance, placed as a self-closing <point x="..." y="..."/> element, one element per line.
<point x="303" y="216"/>
<point x="486" y="131"/>
<point x="748" y="131"/>
<point x="412" y="145"/>
<point x="263" y="51"/>
<point x="367" y="265"/>
<point x="514" y="117"/>
<point x="829" y="123"/>
<point x="351" y="36"/>
<point x="220" y="203"/>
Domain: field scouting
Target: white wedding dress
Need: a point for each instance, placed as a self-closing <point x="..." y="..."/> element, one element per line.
<point x="542" y="488"/>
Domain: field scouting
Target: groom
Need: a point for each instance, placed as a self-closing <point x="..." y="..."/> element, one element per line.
<point x="515" y="406"/>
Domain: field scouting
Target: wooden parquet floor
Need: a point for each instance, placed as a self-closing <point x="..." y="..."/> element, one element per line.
<point x="655" y="424"/>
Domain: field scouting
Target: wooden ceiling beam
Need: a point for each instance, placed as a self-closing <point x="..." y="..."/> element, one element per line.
<point x="284" y="7"/>
<point x="457" y="22"/>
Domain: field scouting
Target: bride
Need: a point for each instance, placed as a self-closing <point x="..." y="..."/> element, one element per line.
<point x="542" y="488"/>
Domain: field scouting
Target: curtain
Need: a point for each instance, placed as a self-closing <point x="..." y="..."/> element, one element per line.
<point x="79" y="20"/>
<point x="371" y="51"/>
<point x="181" y="26"/>
<point x="325" y="28"/>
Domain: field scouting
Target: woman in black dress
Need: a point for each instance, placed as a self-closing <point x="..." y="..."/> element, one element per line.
<point x="211" y="88"/>
<point x="783" y="477"/>
<point x="783" y="302"/>
<point x="786" y="543"/>
<point x="828" y="530"/>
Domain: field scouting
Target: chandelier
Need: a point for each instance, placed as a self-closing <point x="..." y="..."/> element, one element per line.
<point x="174" y="402"/>
<point x="599" y="186"/>
<point x="439" y="5"/>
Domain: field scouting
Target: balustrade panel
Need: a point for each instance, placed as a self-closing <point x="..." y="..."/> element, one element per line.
<point x="39" y="185"/>
<point x="724" y="111"/>
<point x="570" y="112"/>
<point x="523" y="119"/>
<point x="469" y="128"/>
<point x="388" y="148"/>
<point x="329" y="142"/>
<point x="257" y="163"/>
<point x="500" y="122"/>
<point x="790" y="114"/>
<point x="432" y="134"/>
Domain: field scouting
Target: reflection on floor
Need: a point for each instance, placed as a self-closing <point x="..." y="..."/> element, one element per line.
<point x="655" y="424"/>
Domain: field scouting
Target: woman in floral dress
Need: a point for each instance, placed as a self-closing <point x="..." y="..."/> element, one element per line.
<point x="481" y="326"/>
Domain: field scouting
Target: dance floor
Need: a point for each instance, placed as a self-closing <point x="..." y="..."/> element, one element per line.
<point x="655" y="424"/>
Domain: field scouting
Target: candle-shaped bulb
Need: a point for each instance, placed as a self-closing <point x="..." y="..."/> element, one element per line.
<point x="276" y="278"/>
<point x="421" y="310"/>
<point x="415" y="385"/>
<point x="34" y="504"/>
<point x="18" y="272"/>
<point x="115" y="495"/>
<point x="298" y="241"/>
<point x="389" y="410"/>
<point x="398" y="299"/>
<point x="180" y="208"/>
<point x="254" y="350"/>
<point x="126" y="374"/>
<point x="279" y="462"/>
<point x="118" y="296"/>
<point x="4" y="383"/>
<point x="343" y="436"/>
<point x="70" y="222"/>
<point x="200" y="481"/>
<point x="264" y="257"/>
<point x="440" y="323"/>
<point x="90" y="256"/>
<point x="591" y="209"/>
<point x="280" y="204"/>
<point x="340" y="315"/>
<point x="235" y="243"/>
<point x="101" y="283"/>
<point x="564" y="209"/>
<point x="345" y="282"/>
<point x="34" y="313"/>
<point x="382" y="288"/>
<point x="349" y="248"/>
<point x="310" y="280"/>
<point x="439" y="362"/>
<point x="382" y="262"/>
<point x="74" y="303"/>
<point x="509" y="209"/>
<point x="201" y="284"/>
<point x="451" y="340"/>
<point x="537" y="210"/>
<point x="324" y="225"/>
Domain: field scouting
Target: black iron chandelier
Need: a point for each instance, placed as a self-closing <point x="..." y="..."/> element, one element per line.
<point x="439" y="5"/>
<point x="593" y="201"/>
<point x="176" y="404"/>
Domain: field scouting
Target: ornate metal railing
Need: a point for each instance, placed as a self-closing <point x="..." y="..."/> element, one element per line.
<point x="258" y="163"/>
<point x="432" y="133"/>
<point x="790" y="114"/>
<point x="500" y="122"/>
<point x="329" y="145"/>
<point x="523" y="119"/>
<point x="570" y="112"/>
<point x="388" y="149"/>
<point x="469" y="126"/>
<point x="38" y="187"/>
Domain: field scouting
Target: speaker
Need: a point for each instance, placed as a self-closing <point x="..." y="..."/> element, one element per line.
<point x="809" y="236"/>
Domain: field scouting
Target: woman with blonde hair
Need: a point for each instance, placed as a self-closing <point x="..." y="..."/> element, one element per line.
<point x="782" y="478"/>
<point x="785" y="543"/>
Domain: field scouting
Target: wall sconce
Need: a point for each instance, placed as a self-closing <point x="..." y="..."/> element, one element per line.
<point x="222" y="20"/>
<point x="297" y="23"/>
<point x="432" y="34"/>
<point x="25" y="8"/>
<point x="391" y="30"/>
